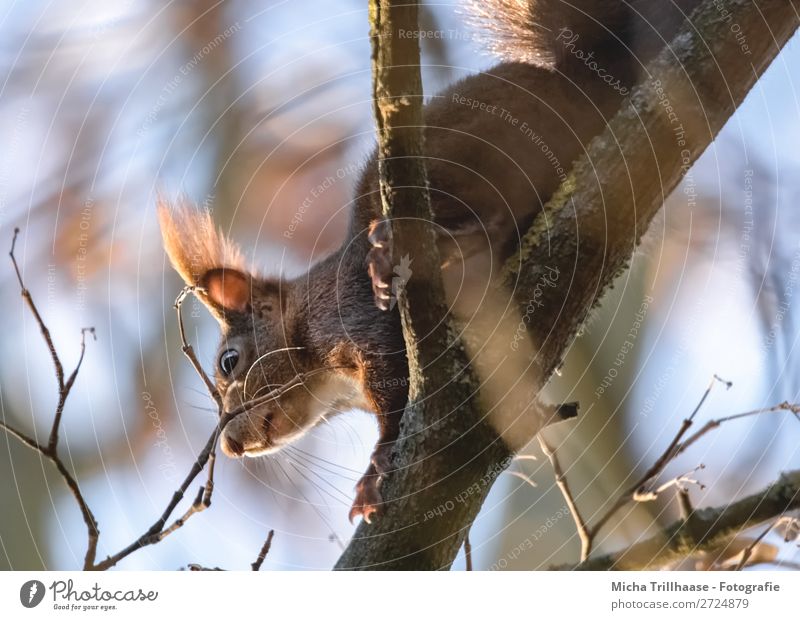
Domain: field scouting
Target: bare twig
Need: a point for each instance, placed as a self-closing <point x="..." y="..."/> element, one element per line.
<point x="679" y="482"/>
<point x="640" y="492"/>
<point x="200" y="568"/>
<point x="468" y="551"/>
<point x="563" y="485"/>
<point x="188" y="350"/>
<point x="518" y="474"/>
<point x="158" y="531"/>
<point x="660" y="464"/>
<point x="26" y="295"/>
<point x="709" y="529"/>
<point x="712" y="424"/>
<point x="747" y="552"/>
<point x="684" y="503"/>
<point x="256" y="566"/>
<point x="64" y="388"/>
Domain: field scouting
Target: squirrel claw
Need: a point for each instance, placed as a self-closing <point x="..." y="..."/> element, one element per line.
<point x="368" y="499"/>
<point x="379" y="263"/>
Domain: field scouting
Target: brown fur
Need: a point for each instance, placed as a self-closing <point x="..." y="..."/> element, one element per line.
<point x="193" y="242"/>
<point x="488" y="180"/>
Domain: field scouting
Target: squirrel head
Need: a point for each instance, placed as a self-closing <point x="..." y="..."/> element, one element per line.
<point x="259" y="350"/>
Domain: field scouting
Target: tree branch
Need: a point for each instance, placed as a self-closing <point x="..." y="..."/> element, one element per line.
<point x="440" y="457"/>
<point x="593" y="223"/>
<point x="703" y="76"/>
<point x="435" y="457"/>
<point x="708" y="529"/>
<point x="157" y="532"/>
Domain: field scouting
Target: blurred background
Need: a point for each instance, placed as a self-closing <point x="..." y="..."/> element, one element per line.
<point x="246" y="108"/>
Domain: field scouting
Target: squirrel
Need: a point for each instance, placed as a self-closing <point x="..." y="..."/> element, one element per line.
<point x="498" y="144"/>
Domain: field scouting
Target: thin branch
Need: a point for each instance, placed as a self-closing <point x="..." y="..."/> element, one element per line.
<point x="521" y="476"/>
<point x="658" y="466"/>
<point x="747" y="552"/>
<point x="684" y="503"/>
<point x="50" y="451"/>
<point x="28" y="441"/>
<point x="563" y="485"/>
<point x="679" y="482"/>
<point x="712" y="424"/>
<point x="188" y="350"/>
<point x="616" y="168"/>
<point x="64" y="389"/>
<point x="468" y="552"/>
<point x="207" y="456"/>
<point x="256" y="566"/>
<point x="639" y="491"/>
<point x="709" y="529"/>
<point x="26" y="295"/>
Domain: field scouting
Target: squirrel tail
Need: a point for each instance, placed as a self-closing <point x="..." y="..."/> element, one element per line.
<point x="543" y="32"/>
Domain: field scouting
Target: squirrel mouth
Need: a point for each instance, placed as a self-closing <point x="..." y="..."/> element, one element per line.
<point x="234" y="448"/>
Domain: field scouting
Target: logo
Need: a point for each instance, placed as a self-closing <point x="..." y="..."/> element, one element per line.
<point x="402" y="274"/>
<point x="31" y="593"/>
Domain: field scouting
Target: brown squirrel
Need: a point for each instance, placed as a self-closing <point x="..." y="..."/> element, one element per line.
<point x="498" y="144"/>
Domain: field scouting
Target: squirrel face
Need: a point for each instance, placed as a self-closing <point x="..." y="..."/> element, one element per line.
<point x="253" y="358"/>
<point x="257" y="352"/>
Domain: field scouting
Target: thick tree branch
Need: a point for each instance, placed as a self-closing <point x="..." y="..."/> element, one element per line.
<point x="702" y="76"/>
<point x="591" y="226"/>
<point x="708" y="529"/>
<point x="435" y="456"/>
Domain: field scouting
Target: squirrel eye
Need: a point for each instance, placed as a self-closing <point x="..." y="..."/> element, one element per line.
<point x="228" y="361"/>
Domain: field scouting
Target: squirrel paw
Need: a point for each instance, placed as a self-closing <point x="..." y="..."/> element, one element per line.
<point x="379" y="263"/>
<point x="368" y="501"/>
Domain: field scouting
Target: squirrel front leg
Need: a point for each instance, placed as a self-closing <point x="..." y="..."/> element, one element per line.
<point x="386" y="388"/>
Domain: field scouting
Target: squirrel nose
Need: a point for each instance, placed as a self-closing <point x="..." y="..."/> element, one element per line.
<point x="232" y="447"/>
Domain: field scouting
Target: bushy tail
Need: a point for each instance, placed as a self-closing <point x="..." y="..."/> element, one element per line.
<point x="542" y="31"/>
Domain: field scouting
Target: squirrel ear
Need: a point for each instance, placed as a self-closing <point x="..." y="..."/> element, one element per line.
<point x="205" y="257"/>
<point x="227" y="289"/>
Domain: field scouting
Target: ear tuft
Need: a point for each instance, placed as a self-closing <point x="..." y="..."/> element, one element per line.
<point x="194" y="245"/>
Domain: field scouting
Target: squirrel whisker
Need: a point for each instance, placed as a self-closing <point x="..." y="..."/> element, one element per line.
<point x="258" y="359"/>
